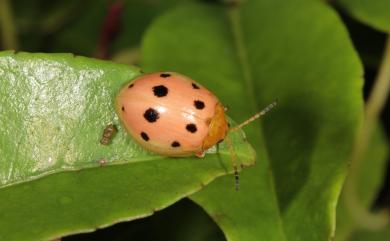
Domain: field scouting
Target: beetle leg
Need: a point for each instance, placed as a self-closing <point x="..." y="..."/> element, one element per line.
<point x="200" y="154"/>
<point x="234" y="162"/>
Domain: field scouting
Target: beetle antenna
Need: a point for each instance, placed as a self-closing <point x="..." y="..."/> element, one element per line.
<point x="256" y="116"/>
<point x="234" y="162"/>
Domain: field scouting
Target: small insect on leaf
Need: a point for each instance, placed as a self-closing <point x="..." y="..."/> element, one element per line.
<point x="108" y="134"/>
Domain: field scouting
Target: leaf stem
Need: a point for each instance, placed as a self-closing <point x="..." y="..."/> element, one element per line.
<point x="7" y="26"/>
<point x="242" y="55"/>
<point x="374" y="105"/>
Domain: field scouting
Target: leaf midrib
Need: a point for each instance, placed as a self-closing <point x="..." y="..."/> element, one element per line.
<point x="242" y="56"/>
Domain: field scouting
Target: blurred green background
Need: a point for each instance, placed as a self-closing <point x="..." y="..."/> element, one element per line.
<point x="113" y="30"/>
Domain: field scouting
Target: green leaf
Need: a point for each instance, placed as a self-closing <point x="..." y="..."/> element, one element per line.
<point x="372" y="12"/>
<point x="361" y="235"/>
<point x="369" y="181"/>
<point x="297" y="51"/>
<point x="53" y="109"/>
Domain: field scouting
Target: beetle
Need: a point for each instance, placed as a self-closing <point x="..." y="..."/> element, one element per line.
<point x="172" y="115"/>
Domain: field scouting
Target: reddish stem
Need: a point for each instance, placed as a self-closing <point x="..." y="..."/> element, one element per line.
<point x="111" y="28"/>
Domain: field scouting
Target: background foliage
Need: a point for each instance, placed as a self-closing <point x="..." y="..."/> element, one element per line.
<point x="310" y="55"/>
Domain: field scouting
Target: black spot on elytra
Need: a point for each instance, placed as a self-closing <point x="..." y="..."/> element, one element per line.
<point x="175" y="144"/>
<point x="131" y="85"/>
<point x="165" y="75"/>
<point x="151" y="115"/>
<point x="199" y="104"/>
<point x="144" y="136"/>
<point x="160" y="90"/>
<point x="195" y="86"/>
<point x="123" y="108"/>
<point x="191" y="128"/>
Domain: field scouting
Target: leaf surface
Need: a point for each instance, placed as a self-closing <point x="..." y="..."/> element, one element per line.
<point x="372" y="12"/>
<point x="53" y="110"/>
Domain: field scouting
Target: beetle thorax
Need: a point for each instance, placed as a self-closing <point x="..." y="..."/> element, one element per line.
<point x="217" y="129"/>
